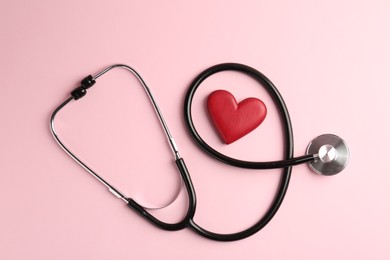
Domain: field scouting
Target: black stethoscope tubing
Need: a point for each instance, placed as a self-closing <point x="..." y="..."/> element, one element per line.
<point x="288" y="148"/>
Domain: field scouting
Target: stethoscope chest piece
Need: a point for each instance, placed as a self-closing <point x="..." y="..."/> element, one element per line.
<point x="333" y="154"/>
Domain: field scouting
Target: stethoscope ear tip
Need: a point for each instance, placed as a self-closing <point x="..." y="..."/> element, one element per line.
<point x="332" y="154"/>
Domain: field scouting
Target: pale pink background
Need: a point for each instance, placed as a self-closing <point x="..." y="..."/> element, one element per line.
<point x="329" y="59"/>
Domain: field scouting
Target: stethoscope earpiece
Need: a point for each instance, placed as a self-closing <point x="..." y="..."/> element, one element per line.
<point x="332" y="152"/>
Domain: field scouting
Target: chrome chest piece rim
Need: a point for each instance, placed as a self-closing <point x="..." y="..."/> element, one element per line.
<point x="333" y="154"/>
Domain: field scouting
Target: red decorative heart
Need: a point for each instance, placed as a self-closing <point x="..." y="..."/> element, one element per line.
<point x="233" y="120"/>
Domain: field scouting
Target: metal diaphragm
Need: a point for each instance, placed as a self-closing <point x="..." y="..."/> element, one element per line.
<point x="333" y="154"/>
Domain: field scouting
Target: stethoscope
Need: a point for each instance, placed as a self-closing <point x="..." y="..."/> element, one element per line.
<point x="327" y="154"/>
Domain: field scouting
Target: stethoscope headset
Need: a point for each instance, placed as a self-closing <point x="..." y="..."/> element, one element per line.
<point x="327" y="154"/>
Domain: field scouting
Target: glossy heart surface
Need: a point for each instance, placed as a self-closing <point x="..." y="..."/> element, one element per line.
<point x="234" y="120"/>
